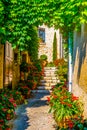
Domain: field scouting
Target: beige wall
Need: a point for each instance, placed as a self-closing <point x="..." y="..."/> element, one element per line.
<point x="47" y="47"/>
<point x="80" y="66"/>
<point x="1" y="65"/>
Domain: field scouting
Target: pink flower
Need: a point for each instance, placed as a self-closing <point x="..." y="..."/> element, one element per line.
<point x="53" y="86"/>
<point x="11" y="100"/>
<point x="14" y="104"/>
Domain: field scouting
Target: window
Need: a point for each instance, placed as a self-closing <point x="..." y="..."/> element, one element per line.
<point x="42" y="34"/>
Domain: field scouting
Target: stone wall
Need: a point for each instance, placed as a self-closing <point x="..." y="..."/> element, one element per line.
<point x="80" y="66"/>
<point x="47" y="47"/>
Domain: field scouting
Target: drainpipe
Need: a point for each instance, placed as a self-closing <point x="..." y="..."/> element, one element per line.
<point x="70" y="62"/>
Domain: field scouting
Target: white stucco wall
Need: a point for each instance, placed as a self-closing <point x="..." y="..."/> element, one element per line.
<point x="79" y="87"/>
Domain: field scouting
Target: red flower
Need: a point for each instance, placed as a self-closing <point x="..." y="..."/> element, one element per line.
<point x="14" y="104"/>
<point x="1" y="120"/>
<point x="5" y="95"/>
<point x="63" y="102"/>
<point x="48" y="98"/>
<point x="8" y="117"/>
<point x="54" y="96"/>
<point x="70" y="124"/>
<point x="4" y="109"/>
<point x="74" y="98"/>
<point x="69" y="105"/>
<point x="11" y="100"/>
<point x="0" y="128"/>
<point x="8" y="129"/>
<point x="17" y="92"/>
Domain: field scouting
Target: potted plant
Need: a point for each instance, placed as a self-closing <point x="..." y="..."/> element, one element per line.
<point x="43" y="59"/>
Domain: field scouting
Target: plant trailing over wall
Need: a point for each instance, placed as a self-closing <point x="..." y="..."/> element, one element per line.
<point x="55" y="47"/>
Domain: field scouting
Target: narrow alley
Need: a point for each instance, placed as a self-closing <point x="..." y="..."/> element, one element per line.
<point x="34" y="115"/>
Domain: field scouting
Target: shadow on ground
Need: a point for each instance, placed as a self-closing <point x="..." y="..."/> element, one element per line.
<point x="22" y="120"/>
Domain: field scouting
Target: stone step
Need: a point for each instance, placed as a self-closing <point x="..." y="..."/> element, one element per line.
<point x="49" y="72"/>
<point x="41" y="91"/>
<point x="44" y="84"/>
<point x="50" y="75"/>
<point x="44" y="87"/>
<point x="50" y="78"/>
<point x="52" y="84"/>
<point x="50" y="68"/>
<point x="49" y="81"/>
<point x="42" y="81"/>
<point x="48" y="84"/>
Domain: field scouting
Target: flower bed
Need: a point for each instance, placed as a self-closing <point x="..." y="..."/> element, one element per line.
<point x="9" y="99"/>
<point x="67" y="109"/>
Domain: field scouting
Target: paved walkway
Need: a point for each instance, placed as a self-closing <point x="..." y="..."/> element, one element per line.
<point x="34" y="115"/>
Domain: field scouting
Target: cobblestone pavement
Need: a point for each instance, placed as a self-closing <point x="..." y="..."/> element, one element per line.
<point x="34" y="115"/>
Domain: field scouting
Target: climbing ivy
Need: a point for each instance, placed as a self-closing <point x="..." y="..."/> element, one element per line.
<point x="16" y="17"/>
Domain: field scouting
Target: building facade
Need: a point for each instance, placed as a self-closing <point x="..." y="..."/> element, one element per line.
<point x="46" y="44"/>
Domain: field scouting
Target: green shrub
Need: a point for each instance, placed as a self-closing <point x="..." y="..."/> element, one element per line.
<point x="43" y="57"/>
<point x="24" y="67"/>
<point x="51" y="64"/>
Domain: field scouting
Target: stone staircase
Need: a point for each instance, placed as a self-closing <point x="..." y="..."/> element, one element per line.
<point x="49" y="79"/>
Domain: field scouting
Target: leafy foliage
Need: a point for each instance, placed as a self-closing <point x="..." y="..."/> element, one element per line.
<point x="17" y="16"/>
<point x="66" y="107"/>
<point x="33" y="44"/>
